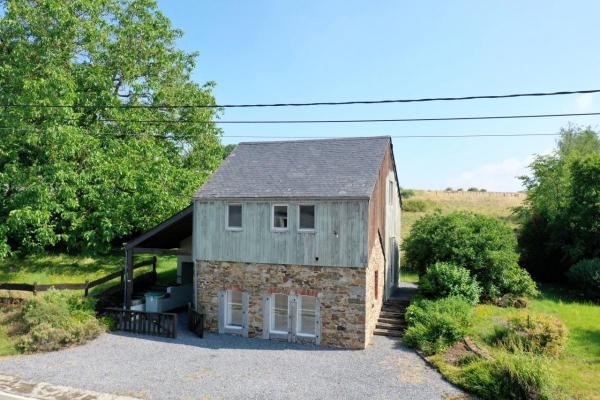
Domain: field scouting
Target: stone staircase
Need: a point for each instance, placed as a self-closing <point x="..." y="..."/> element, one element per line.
<point x="391" y="319"/>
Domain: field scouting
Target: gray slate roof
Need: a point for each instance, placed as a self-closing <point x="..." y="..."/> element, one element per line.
<point x="335" y="168"/>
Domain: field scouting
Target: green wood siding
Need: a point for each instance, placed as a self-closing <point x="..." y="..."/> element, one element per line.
<point x="340" y="237"/>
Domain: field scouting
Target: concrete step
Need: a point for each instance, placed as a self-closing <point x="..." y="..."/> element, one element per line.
<point x="385" y="332"/>
<point x="391" y="327"/>
<point x="392" y="320"/>
<point x="391" y="314"/>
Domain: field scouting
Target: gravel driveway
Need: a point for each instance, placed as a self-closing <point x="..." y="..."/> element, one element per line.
<point x="228" y="367"/>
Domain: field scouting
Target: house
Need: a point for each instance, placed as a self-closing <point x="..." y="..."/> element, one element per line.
<point x="292" y="240"/>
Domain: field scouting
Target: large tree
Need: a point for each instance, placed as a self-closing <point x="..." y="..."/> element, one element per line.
<point x="559" y="219"/>
<point x="91" y="173"/>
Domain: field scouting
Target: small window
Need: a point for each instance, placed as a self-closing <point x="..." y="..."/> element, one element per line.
<point x="307" y="306"/>
<point x="376" y="282"/>
<point x="306" y="218"/>
<point x="234" y="216"/>
<point x="233" y="311"/>
<point x="279" y="313"/>
<point x="391" y="192"/>
<point x="280" y="217"/>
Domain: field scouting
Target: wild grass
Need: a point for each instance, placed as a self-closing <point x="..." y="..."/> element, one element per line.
<point x="61" y="268"/>
<point x="577" y="369"/>
<point x="489" y="203"/>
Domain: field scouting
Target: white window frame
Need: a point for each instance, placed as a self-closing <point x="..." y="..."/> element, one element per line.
<point x="306" y="230"/>
<point x="227" y="311"/>
<point x="298" y="319"/>
<point x="272" y="315"/>
<point x="273" y="228"/>
<point x="233" y="228"/>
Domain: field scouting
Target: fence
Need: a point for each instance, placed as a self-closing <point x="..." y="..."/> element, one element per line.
<point x="147" y="323"/>
<point x="86" y="286"/>
<point x="195" y="321"/>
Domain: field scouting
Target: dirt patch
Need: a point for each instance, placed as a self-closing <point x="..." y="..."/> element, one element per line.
<point x="463" y="349"/>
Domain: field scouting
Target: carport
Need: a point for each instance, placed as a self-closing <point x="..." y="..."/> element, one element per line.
<point x="170" y="237"/>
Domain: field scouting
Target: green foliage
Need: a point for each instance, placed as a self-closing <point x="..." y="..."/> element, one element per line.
<point x="57" y="319"/>
<point x="510" y="376"/>
<point x="561" y="216"/>
<point x="414" y="205"/>
<point x="434" y="325"/>
<point x="444" y="279"/>
<point x="406" y="193"/>
<point x="483" y="245"/>
<point x="586" y="274"/>
<point x="87" y="177"/>
<point x="538" y="334"/>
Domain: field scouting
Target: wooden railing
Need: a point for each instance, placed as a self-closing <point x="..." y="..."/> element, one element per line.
<point x="146" y="323"/>
<point x="86" y="286"/>
<point x="195" y="321"/>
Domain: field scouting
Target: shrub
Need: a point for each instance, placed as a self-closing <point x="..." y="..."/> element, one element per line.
<point x="484" y="245"/>
<point x="511" y="376"/>
<point x="434" y="325"/>
<point x="444" y="279"/>
<point x="57" y="319"/>
<point x="406" y="193"/>
<point x="414" y="205"/>
<point x="540" y="334"/>
<point x="586" y="274"/>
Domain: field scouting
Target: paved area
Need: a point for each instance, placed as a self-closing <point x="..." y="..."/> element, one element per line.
<point x="12" y="388"/>
<point x="228" y="367"/>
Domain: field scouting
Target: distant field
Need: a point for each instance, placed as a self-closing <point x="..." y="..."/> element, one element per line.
<point x="490" y="203"/>
<point x="496" y="204"/>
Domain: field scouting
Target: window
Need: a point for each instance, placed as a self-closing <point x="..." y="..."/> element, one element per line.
<point x="279" y="313"/>
<point x="234" y="216"/>
<point x="306" y="218"/>
<point x="233" y="311"/>
<point x="391" y="192"/>
<point x="280" y="217"/>
<point x="307" y="306"/>
<point x="376" y="282"/>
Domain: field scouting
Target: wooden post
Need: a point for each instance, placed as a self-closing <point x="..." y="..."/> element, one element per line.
<point x="87" y="284"/>
<point x="128" y="272"/>
<point x="34" y="288"/>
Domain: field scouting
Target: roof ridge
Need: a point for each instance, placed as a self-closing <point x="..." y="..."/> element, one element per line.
<point x="317" y="140"/>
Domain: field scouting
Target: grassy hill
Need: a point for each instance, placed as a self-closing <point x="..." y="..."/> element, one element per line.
<point x="497" y="204"/>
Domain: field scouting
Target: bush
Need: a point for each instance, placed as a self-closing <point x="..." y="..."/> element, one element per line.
<point x="435" y="325"/>
<point x="511" y="376"/>
<point x="586" y="274"/>
<point x="406" y="193"/>
<point x="483" y="245"/>
<point x="444" y="279"/>
<point x="414" y="205"/>
<point x="542" y="335"/>
<point x="57" y="319"/>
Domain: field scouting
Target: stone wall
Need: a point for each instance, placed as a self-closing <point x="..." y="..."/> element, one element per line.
<point x="374" y="299"/>
<point x="342" y="292"/>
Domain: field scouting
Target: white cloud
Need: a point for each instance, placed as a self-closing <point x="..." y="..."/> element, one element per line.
<point x="495" y="177"/>
<point x="584" y="102"/>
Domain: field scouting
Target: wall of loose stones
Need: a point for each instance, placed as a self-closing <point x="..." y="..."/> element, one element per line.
<point x="374" y="300"/>
<point x="341" y="290"/>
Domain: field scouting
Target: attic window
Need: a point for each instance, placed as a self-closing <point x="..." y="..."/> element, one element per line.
<point x="279" y="220"/>
<point x="391" y="192"/>
<point x="234" y="216"/>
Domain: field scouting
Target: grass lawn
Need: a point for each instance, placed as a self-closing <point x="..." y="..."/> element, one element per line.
<point x="409" y="276"/>
<point x="61" y="268"/>
<point x="577" y="370"/>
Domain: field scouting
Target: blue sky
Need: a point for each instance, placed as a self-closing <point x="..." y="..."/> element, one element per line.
<point x="303" y="51"/>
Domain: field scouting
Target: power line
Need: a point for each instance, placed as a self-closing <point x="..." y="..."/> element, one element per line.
<point x="347" y="121"/>
<point x="294" y="137"/>
<point x="320" y="103"/>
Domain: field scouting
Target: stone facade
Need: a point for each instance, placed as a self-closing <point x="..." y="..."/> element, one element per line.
<point x="374" y="297"/>
<point x="348" y="306"/>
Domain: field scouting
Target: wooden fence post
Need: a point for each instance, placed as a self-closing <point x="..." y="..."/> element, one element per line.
<point x="34" y="288"/>
<point x="87" y="287"/>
